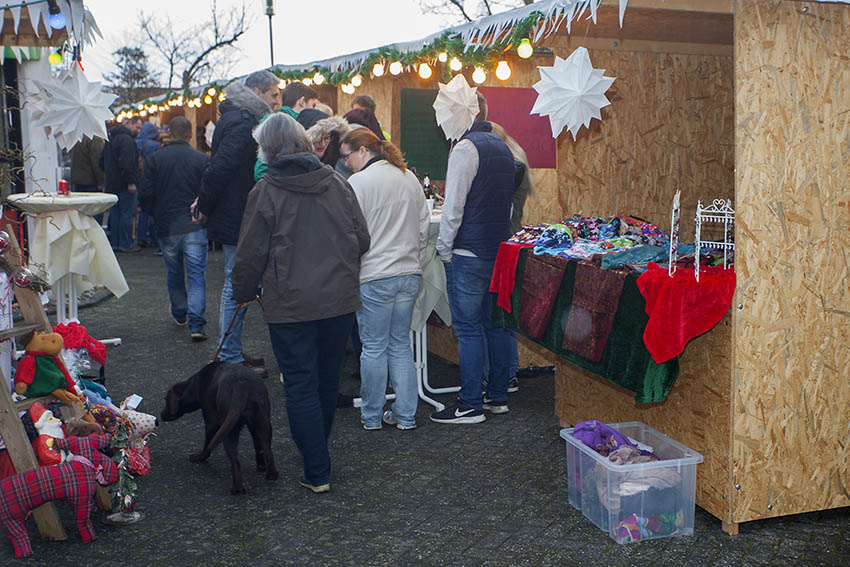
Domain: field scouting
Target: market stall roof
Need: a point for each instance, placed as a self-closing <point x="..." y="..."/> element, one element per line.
<point x="31" y="24"/>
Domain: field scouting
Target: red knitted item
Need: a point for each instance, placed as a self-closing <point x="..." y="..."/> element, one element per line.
<point x="504" y="273"/>
<point x="75" y="337"/>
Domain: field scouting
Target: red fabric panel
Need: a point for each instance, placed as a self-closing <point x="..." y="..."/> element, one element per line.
<point x="540" y="285"/>
<point x="680" y="308"/>
<point x="504" y="273"/>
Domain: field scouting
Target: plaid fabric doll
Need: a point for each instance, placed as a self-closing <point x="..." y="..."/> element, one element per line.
<point x="74" y="481"/>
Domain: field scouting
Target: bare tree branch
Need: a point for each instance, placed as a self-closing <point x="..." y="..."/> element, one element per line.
<point x="469" y="10"/>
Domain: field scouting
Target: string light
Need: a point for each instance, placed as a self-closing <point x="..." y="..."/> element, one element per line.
<point x="143" y="113"/>
<point x="479" y="76"/>
<point x="308" y="81"/>
<point x="348" y="88"/>
<point x="198" y="102"/>
<point x="356" y="80"/>
<point x="221" y="96"/>
<point x="55" y="58"/>
<point x="211" y="91"/>
<point x="56" y="19"/>
<point x="442" y="57"/>
<point x="208" y="99"/>
<point x="425" y="71"/>
<point x="525" y="49"/>
<point x="281" y="84"/>
<point x="396" y="67"/>
<point x="378" y="69"/>
<point x="455" y="64"/>
<point x="503" y="71"/>
<point x="318" y="78"/>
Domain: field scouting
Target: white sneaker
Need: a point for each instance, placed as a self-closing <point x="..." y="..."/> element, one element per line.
<point x="390" y="420"/>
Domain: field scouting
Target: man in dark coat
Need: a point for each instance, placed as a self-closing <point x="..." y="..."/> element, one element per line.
<point x="86" y="173"/>
<point x="170" y="185"/>
<point x="120" y="161"/>
<point x="224" y="190"/>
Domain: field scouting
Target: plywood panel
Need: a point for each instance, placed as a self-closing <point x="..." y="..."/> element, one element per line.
<point x="696" y="412"/>
<point x="792" y="364"/>
<point x="442" y="342"/>
<point x="670" y="126"/>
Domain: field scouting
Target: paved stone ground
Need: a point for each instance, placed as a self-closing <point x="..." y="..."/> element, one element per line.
<point x="488" y="494"/>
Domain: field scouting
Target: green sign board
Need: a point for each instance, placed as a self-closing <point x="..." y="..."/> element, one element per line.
<point x="423" y="143"/>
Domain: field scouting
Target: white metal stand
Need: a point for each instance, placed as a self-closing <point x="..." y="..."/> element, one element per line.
<point x="419" y="344"/>
<point x="720" y="211"/>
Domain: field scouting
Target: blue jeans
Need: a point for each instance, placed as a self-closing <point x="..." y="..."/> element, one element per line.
<point x="121" y="217"/>
<point x="467" y="285"/>
<point x="191" y="249"/>
<point x="146" y="228"/>
<point x="231" y="350"/>
<point x="384" y="323"/>
<point x="310" y="355"/>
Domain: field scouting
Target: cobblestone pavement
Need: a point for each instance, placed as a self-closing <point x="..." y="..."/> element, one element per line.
<point x="487" y="494"/>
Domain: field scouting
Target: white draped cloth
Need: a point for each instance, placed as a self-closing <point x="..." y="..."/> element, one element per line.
<point x="68" y="241"/>
<point x="432" y="293"/>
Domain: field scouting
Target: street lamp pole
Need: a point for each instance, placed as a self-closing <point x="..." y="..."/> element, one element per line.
<point x="270" y="12"/>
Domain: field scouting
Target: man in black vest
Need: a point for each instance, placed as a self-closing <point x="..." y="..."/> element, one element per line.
<point x="476" y="219"/>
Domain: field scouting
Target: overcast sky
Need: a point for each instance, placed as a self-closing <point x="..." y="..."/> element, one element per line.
<point x="304" y="30"/>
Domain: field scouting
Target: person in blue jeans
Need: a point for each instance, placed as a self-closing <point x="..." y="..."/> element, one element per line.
<point x="170" y="185"/>
<point x="475" y="220"/>
<point x="396" y="213"/>
<point x="224" y="192"/>
<point x="302" y="238"/>
<point x="120" y="161"/>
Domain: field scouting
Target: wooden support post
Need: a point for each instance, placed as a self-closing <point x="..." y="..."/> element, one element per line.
<point x="731" y="528"/>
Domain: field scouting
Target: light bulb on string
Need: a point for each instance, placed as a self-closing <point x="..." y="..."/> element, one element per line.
<point x="198" y="102"/>
<point x="211" y="91"/>
<point x="503" y="71"/>
<point x="221" y="96"/>
<point x="424" y="70"/>
<point x="143" y="113"/>
<point x="308" y="81"/>
<point x="55" y="58"/>
<point x="356" y="80"/>
<point x="525" y="49"/>
<point x="396" y="67"/>
<point x="378" y="69"/>
<point x="479" y="76"/>
<point x="455" y="64"/>
<point x="318" y="78"/>
<point x="208" y="99"/>
<point x="348" y="88"/>
<point x="56" y="19"/>
<point x="281" y="84"/>
<point x="442" y="57"/>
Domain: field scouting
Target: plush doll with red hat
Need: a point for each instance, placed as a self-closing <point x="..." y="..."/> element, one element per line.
<point x="49" y="428"/>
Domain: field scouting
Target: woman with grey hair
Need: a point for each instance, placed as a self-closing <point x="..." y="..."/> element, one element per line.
<point x="302" y="237"/>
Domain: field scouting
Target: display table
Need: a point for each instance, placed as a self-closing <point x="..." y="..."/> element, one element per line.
<point x="70" y="246"/>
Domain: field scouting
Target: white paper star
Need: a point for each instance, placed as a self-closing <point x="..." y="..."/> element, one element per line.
<point x="571" y="92"/>
<point x="456" y="107"/>
<point x="70" y="107"/>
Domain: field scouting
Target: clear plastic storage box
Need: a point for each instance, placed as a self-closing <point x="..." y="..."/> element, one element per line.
<point x="638" y="501"/>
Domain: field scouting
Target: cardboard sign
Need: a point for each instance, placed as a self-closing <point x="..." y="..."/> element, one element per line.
<point x="509" y="107"/>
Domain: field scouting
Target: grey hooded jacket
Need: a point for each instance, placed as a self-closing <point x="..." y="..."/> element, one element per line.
<point x="230" y="173"/>
<point x="302" y="237"/>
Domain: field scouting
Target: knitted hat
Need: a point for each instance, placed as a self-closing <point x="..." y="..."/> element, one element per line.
<point x="39" y="415"/>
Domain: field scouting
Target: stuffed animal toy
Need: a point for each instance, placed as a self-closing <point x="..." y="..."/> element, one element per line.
<point x="49" y="428"/>
<point x="74" y="481"/>
<point x="40" y="371"/>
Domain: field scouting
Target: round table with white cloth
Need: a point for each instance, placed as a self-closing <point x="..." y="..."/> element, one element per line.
<point x="70" y="246"/>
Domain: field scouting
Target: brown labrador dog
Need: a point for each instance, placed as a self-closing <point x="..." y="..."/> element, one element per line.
<point x="229" y="396"/>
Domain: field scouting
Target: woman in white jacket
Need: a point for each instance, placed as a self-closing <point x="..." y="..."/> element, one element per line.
<point x="390" y="274"/>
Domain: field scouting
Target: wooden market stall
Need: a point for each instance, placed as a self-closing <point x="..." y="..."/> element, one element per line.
<point x="750" y="102"/>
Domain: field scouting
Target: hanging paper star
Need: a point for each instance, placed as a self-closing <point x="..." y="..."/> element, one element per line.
<point x="70" y="108"/>
<point x="571" y="92"/>
<point x="456" y="107"/>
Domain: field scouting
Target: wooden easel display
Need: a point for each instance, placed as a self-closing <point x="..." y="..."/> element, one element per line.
<point x="20" y="450"/>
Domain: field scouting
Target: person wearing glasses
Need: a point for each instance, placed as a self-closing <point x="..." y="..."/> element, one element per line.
<point x="397" y="215"/>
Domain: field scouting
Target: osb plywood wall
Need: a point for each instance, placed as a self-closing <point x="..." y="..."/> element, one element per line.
<point x="670" y="126"/>
<point x="792" y="362"/>
<point x="695" y="413"/>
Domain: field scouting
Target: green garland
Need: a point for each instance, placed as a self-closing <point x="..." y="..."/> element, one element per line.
<point x="449" y="42"/>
